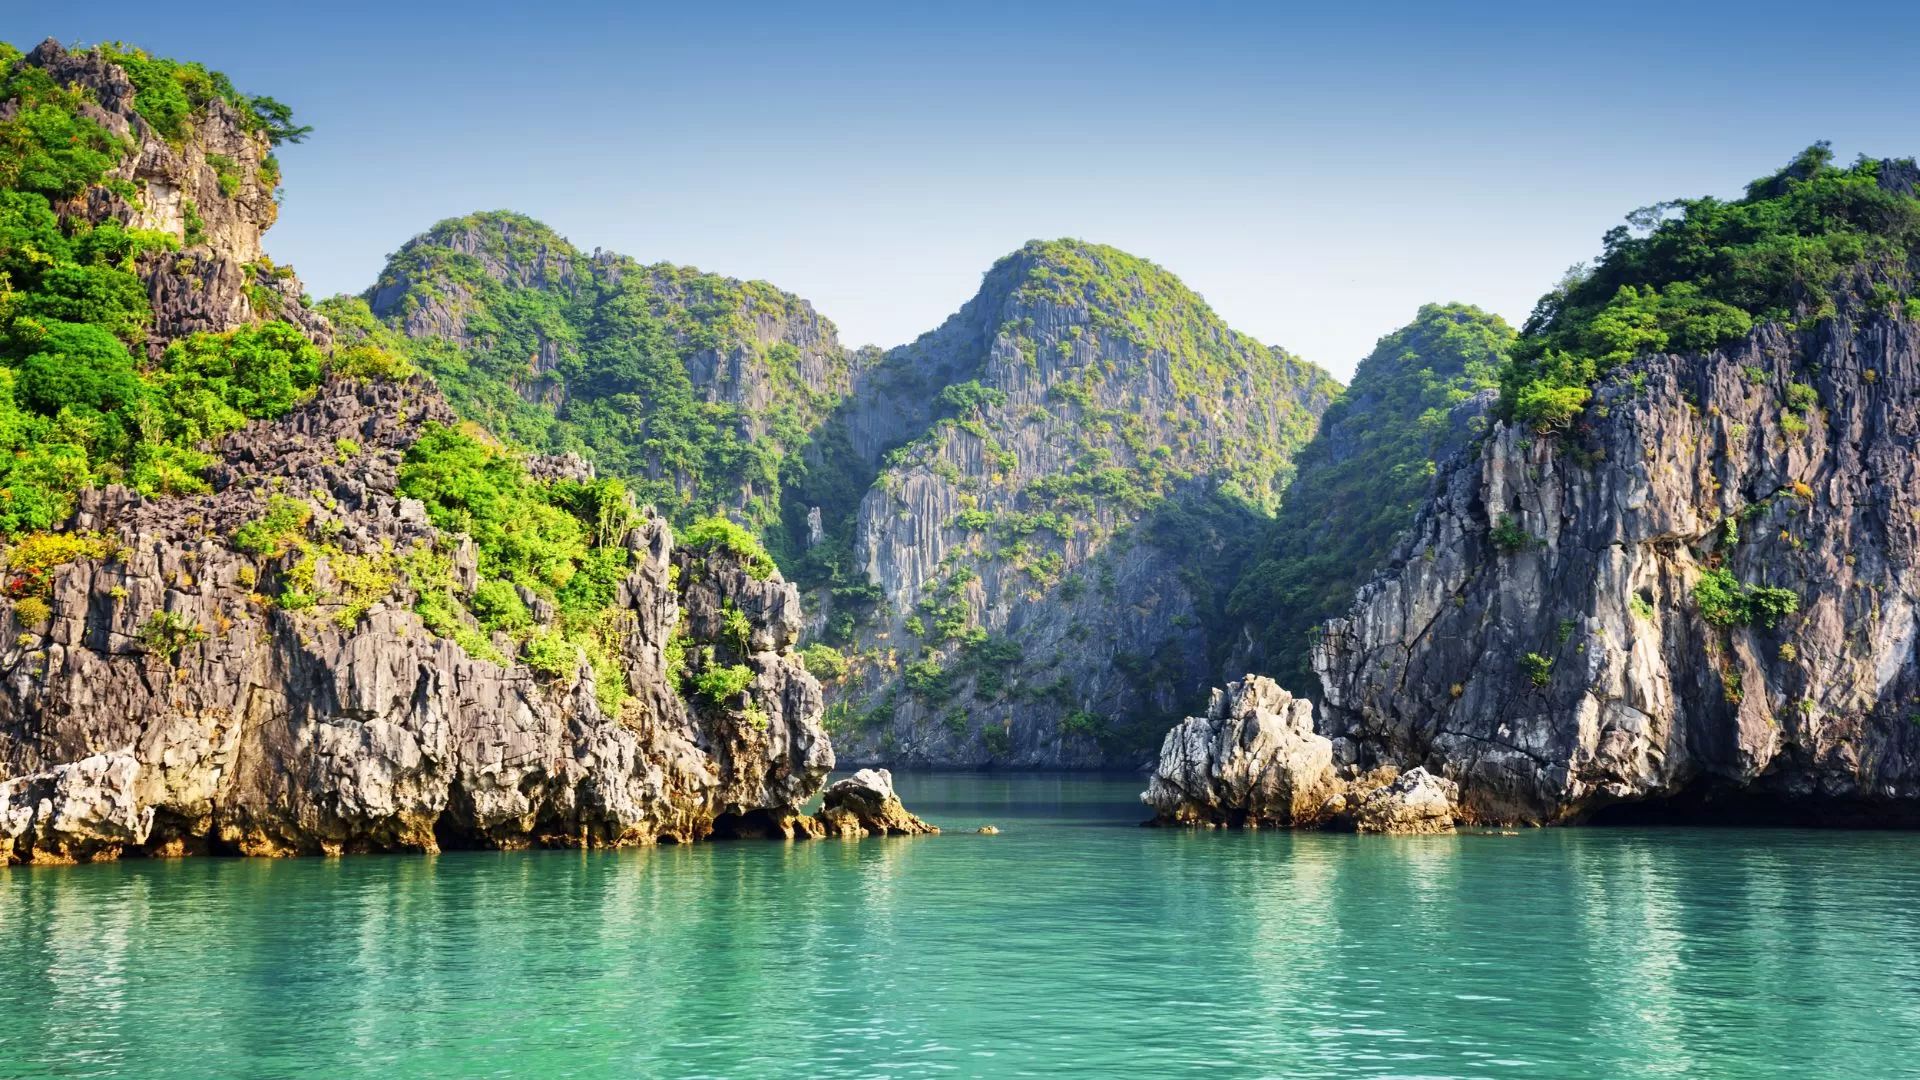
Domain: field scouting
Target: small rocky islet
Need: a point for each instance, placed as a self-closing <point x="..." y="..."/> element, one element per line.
<point x="408" y="571"/>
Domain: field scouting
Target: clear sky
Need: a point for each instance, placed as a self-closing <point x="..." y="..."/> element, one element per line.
<point x="1316" y="171"/>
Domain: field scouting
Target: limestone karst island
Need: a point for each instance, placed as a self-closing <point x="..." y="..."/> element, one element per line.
<point x="481" y="652"/>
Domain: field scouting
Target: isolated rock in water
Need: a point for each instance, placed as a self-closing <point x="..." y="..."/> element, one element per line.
<point x="1252" y="760"/>
<point x="864" y="804"/>
<point x="79" y="811"/>
<point x="1415" y="802"/>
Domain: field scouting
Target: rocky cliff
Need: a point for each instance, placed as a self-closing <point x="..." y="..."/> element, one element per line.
<point x="195" y="167"/>
<point x="1575" y="627"/>
<point x="1089" y="436"/>
<point x="1255" y="761"/>
<point x="1687" y="586"/>
<point x="253" y="607"/>
<point x="167" y="697"/>
<point x="1418" y="398"/>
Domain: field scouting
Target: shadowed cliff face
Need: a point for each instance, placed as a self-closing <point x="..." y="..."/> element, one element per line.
<point x="1706" y="591"/>
<point x="1420" y="396"/>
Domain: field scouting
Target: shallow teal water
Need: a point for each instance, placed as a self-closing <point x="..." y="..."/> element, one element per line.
<point x="1072" y="944"/>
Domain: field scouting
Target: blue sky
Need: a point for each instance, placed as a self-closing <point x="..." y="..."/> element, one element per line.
<point x="1316" y="171"/>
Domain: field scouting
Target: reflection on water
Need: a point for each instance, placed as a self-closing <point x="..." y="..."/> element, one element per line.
<point x="1072" y="944"/>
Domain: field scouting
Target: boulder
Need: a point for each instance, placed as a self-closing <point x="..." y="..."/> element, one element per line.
<point x="1416" y="801"/>
<point x="1253" y="760"/>
<point x="864" y="805"/>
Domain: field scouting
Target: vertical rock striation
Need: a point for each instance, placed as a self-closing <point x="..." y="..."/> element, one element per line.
<point x="1703" y="600"/>
<point x="1090" y="437"/>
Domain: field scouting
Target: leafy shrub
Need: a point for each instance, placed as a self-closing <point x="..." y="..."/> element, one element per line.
<point x="1081" y="722"/>
<point x="1539" y="669"/>
<point x="1724" y="600"/>
<point x="78" y="365"/>
<point x="165" y="633"/>
<point x="31" y="563"/>
<point x="551" y="654"/>
<point x="1509" y="537"/>
<point x="929" y="680"/>
<point x="723" y="685"/>
<point x="996" y="739"/>
<point x="32" y="610"/>
<point x="721" y="534"/>
<point x="217" y="382"/>
<point x="282" y="527"/>
<point x="823" y="662"/>
<point x="970" y="397"/>
<point x="497" y="604"/>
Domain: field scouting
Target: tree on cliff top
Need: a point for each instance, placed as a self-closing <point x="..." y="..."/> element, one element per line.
<point x="1694" y="274"/>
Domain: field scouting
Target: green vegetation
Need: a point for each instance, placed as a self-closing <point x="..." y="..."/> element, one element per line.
<point x="79" y="404"/>
<point x="1539" y="668"/>
<point x="724" y="685"/>
<point x="165" y="633"/>
<point x="1363" y="478"/>
<point x="169" y="95"/>
<point x="564" y="352"/>
<point x="1725" y="600"/>
<point x="720" y="534"/>
<point x="559" y="540"/>
<point x="1696" y="274"/>
<point x="1509" y="537"/>
<point x="824" y="662"/>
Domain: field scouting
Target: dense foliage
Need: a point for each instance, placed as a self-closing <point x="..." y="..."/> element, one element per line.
<point x="1695" y="274"/>
<point x="169" y="93"/>
<point x="1363" y="478"/>
<point x="635" y="367"/>
<point x="559" y="541"/>
<point x="79" y="406"/>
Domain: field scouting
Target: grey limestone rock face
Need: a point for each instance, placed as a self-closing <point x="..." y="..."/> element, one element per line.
<point x="1078" y="413"/>
<point x="1416" y="801"/>
<point x="85" y="809"/>
<point x="1539" y="639"/>
<point x="274" y="732"/>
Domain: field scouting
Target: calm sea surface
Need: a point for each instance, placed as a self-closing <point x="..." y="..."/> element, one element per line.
<point x="1073" y="944"/>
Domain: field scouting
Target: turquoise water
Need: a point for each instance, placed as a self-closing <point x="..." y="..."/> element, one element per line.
<point x="1071" y="945"/>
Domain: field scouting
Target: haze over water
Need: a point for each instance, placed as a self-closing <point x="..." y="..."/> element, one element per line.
<point x="1073" y="944"/>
